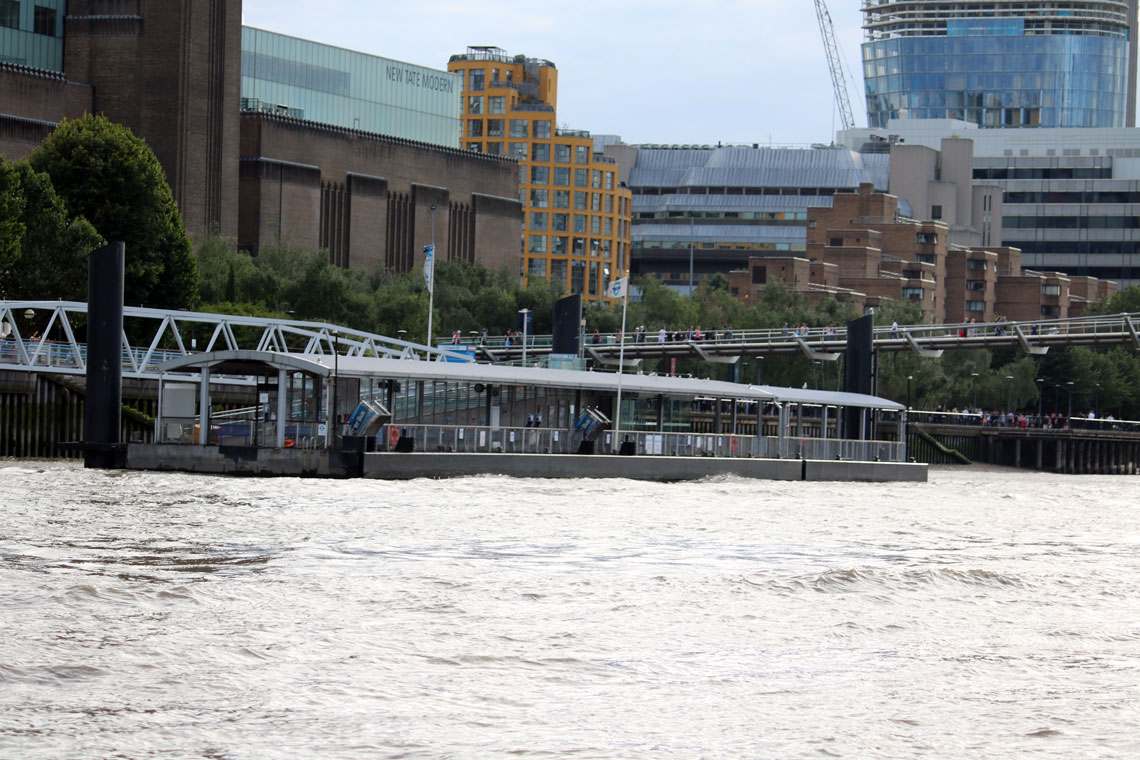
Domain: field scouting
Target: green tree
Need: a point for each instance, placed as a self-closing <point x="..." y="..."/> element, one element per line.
<point x="52" y="261"/>
<point x="106" y="174"/>
<point x="11" y="213"/>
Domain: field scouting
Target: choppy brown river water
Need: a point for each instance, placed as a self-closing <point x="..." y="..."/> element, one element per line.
<point x="985" y="614"/>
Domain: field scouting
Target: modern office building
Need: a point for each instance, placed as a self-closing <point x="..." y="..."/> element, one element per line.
<point x="31" y="34"/>
<point x="1030" y="63"/>
<point x="333" y="149"/>
<point x="345" y="88"/>
<point x="712" y="208"/>
<point x="576" y="224"/>
<point x="1070" y="197"/>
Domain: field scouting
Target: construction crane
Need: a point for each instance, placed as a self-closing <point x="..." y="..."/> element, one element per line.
<point x="834" y="64"/>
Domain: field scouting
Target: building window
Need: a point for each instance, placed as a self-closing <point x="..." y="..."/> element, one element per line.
<point x="561" y="175"/>
<point x="579" y="246"/>
<point x="475" y="104"/>
<point x="580" y="200"/>
<point x="561" y="198"/>
<point x="539" y="199"/>
<point x="936" y="212"/>
<point x="1051" y="311"/>
<point x="975" y="305"/>
<point x="538" y="221"/>
<point x="836" y="242"/>
<point x="975" y="265"/>
<point x="542" y="129"/>
<point x="1050" y="290"/>
<point x="595" y="225"/>
<point x="495" y="148"/>
<point x="536" y="268"/>
<point x="558" y="273"/>
<point x="597" y="179"/>
<point x="975" y="284"/>
<point x="519" y="128"/>
<point x="912" y="294"/>
<point x="581" y="154"/>
<point x="581" y="178"/>
<point x="579" y="223"/>
<point x="595" y="201"/>
<point x="562" y="154"/>
<point x="10" y="13"/>
<point x="475" y="147"/>
<point x="539" y="175"/>
<point x="540" y="152"/>
<point x="577" y="276"/>
<point x="608" y="227"/>
<point x="518" y="151"/>
<point x="475" y="78"/>
<point x="926" y="238"/>
<point x="609" y="180"/>
<point x="558" y="246"/>
<point x="537" y="244"/>
<point x="594" y="278"/>
<point x="522" y="174"/>
<point x="495" y="104"/>
<point x="475" y="128"/>
<point x="609" y="204"/>
<point x="495" y="128"/>
<point x="44" y="21"/>
<point x="759" y="275"/>
<point x="595" y="247"/>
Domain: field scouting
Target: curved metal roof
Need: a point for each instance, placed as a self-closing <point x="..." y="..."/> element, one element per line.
<point x="499" y="374"/>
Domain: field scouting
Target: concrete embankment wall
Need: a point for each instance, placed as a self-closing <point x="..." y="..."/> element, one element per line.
<point x="243" y="460"/>
<point x="390" y="466"/>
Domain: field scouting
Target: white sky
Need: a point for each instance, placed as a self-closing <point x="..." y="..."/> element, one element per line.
<point x="666" y="71"/>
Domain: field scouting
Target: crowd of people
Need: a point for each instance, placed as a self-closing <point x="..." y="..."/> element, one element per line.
<point x="994" y="418"/>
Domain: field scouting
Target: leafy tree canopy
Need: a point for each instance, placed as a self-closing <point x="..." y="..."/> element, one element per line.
<point x="106" y="174"/>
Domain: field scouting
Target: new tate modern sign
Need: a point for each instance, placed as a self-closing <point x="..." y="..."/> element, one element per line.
<point x="429" y="81"/>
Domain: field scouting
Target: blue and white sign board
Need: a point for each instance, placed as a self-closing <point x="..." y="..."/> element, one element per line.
<point x="451" y="348"/>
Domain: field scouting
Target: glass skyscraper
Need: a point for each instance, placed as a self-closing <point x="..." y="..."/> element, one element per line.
<point x="31" y="33"/>
<point x="345" y="88"/>
<point x="1049" y="63"/>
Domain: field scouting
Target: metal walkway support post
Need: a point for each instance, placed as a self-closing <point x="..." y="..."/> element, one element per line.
<point x="282" y="407"/>
<point x="104" y="410"/>
<point x="204" y="407"/>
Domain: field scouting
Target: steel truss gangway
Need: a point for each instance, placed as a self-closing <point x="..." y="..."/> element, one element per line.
<point x="828" y="344"/>
<point x="46" y="337"/>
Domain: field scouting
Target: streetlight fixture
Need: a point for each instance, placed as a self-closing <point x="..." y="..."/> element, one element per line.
<point x="1009" y="393"/>
<point x="1070" y="385"/>
<point x="759" y="370"/>
<point x="908" y="379"/>
<point x="974" y="403"/>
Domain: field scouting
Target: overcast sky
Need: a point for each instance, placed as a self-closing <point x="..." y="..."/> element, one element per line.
<point x="667" y="71"/>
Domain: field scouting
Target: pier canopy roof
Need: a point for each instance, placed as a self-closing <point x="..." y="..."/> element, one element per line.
<point x="363" y="367"/>
<point x="246" y="362"/>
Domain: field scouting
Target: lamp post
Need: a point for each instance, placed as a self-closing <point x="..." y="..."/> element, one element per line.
<point x="431" y="284"/>
<point x="1096" y="400"/>
<point x="1070" y="385"/>
<point x="1009" y="393"/>
<point x="974" y="403"/>
<point x="335" y="426"/>
<point x="1057" y="398"/>
<point x="525" y="313"/>
<point x="690" y="258"/>
<point x="815" y="373"/>
<point x="908" y="379"/>
<point x="759" y="370"/>
<point x="1040" y="393"/>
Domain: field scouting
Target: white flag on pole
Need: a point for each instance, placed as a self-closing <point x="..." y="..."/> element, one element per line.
<point x="429" y="266"/>
<point x="617" y="288"/>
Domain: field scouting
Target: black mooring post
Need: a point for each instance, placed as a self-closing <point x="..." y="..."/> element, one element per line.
<point x="103" y="414"/>
<point x="858" y="377"/>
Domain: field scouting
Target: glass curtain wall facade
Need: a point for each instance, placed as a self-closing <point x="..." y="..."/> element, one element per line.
<point x="31" y="33"/>
<point x="345" y="88"/>
<point x="1027" y="64"/>
<point x="576" y="223"/>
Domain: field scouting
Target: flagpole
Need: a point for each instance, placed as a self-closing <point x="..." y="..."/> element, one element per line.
<point x="431" y="281"/>
<point x="621" y="364"/>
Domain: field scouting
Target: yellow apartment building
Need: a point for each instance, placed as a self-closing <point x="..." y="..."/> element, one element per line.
<point x="576" y="229"/>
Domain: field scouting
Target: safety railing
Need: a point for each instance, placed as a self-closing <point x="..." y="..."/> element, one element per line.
<point x="514" y="440"/>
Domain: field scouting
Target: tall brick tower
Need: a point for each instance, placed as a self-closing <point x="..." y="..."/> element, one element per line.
<point x="171" y="71"/>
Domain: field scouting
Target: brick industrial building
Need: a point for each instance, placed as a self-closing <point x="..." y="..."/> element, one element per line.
<point x="172" y="71"/>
